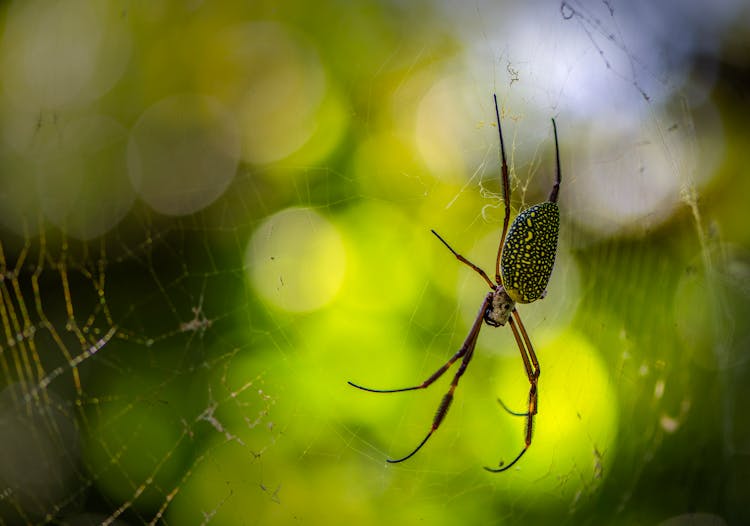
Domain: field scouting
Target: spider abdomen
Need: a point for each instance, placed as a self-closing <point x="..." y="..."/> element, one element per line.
<point x="529" y="252"/>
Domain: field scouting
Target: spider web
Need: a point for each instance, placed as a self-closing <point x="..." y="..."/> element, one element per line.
<point x="195" y="260"/>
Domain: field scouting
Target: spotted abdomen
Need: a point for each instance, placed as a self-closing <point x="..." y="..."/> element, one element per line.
<point x="529" y="252"/>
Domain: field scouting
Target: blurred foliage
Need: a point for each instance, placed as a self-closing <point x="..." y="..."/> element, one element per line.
<point x="214" y="214"/>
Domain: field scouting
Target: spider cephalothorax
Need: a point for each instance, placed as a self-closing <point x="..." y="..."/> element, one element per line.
<point x="525" y="258"/>
<point x="500" y="308"/>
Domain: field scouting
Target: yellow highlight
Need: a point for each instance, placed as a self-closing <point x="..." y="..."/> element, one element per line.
<point x="296" y="260"/>
<point x="576" y="424"/>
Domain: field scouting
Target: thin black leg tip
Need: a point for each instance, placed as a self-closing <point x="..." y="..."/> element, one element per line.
<point x="510" y="411"/>
<point x="500" y="467"/>
<point x="361" y="388"/>
<point x="503" y="467"/>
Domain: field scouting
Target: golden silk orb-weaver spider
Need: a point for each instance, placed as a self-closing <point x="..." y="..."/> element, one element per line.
<point x="525" y="258"/>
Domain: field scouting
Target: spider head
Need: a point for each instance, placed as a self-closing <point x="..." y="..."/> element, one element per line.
<point x="499" y="310"/>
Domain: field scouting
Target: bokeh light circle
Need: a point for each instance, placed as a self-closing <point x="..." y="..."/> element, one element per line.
<point x="296" y="260"/>
<point x="55" y="54"/>
<point x="444" y="130"/>
<point x="183" y="153"/>
<point x="83" y="183"/>
<point x="630" y="172"/>
<point x="274" y="81"/>
<point x="19" y="196"/>
<point x="575" y="430"/>
<point x="40" y="447"/>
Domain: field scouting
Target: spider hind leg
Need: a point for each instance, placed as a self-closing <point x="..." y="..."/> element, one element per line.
<point x="501" y="467"/>
<point x="510" y="411"/>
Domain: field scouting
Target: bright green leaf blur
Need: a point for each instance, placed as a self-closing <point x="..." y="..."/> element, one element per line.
<point x="213" y="215"/>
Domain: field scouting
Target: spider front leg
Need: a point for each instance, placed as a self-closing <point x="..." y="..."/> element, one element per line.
<point x="465" y="353"/>
<point x="531" y="364"/>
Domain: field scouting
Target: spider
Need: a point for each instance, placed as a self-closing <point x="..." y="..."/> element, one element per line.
<point x="525" y="258"/>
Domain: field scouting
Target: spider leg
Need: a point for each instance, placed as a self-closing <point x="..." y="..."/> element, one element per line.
<point x="556" y="186"/>
<point x="506" y="192"/>
<point x="437" y="374"/>
<point x="529" y="347"/>
<point x="466" y="261"/>
<point x="531" y="364"/>
<point x="510" y="411"/>
<point x="468" y="351"/>
<point x="529" y="432"/>
<point x="505" y="468"/>
<point x="445" y="403"/>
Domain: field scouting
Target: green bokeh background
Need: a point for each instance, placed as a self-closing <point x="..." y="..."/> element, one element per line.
<point x="190" y="367"/>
